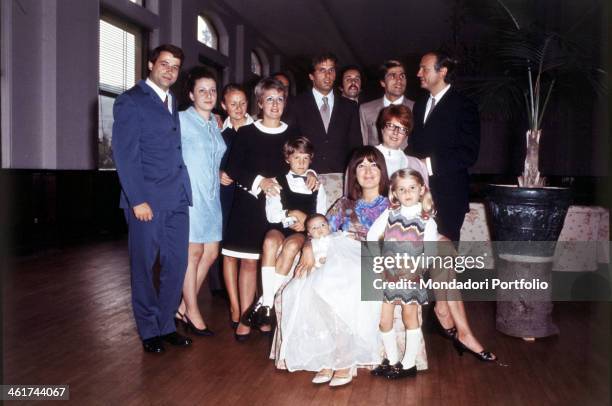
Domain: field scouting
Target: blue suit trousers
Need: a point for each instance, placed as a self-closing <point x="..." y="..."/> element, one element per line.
<point x="167" y="235"/>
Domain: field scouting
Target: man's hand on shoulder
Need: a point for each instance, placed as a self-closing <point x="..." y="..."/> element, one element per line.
<point x="143" y="212"/>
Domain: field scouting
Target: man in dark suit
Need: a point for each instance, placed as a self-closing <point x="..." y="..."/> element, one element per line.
<point x="393" y="80"/>
<point x="155" y="195"/>
<point x="447" y="131"/>
<point x="329" y="121"/>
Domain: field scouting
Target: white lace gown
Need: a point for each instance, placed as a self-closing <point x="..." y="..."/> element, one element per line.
<point x="323" y="323"/>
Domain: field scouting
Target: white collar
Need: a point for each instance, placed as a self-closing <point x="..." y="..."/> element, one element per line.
<point x="228" y="124"/>
<point x="293" y="173"/>
<point x="397" y="102"/>
<point x="389" y="151"/>
<point x="440" y="94"/>
<point x="412" y="211"/>
<point x="158" y="90"/>
<point x="278" y="130"/>
<point x="319" y="97"/>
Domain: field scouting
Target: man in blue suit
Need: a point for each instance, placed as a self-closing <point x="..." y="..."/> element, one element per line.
<point x="155" y="196"/>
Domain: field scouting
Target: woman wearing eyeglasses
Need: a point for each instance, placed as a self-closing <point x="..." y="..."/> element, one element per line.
<point x="394" y="125"/>
<point x="255" y="160"/>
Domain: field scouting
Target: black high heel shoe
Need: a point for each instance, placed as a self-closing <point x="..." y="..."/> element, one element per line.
<point x="202" y="332"/>
<point x="241" y="337"/>
<point x="178" y="321"/>
<point x="449" y="333"/>
<point x="233" y="324"/>
<point x="485" y="356"/>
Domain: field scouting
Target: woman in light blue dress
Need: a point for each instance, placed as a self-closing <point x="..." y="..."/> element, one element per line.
<point x="203" y="147"/>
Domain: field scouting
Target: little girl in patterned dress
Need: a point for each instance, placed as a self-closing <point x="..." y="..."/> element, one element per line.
<point x="408" y="219"/>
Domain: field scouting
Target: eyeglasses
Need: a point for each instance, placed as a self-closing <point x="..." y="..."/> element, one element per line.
<point x="396" y="128"/>
<point x="271" y="100"/>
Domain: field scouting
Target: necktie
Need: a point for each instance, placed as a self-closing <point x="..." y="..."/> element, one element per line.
<point x="166" y="103"/>
<point x="433" y="104"/>
<point x="325" y="116"/>
<point x="298" y="176"/>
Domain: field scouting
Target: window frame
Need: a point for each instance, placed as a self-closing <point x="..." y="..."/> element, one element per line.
<point x="212" y="28"/>
<point x="140" y="71"/>
<point x="260" y="62"/>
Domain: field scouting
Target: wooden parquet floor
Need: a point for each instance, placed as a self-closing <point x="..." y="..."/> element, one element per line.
<point x="67" y="320"/>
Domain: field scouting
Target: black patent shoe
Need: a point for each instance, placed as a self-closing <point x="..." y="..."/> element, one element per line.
<point x="397" y="371"/>
<point x="382" y="368"/>
<point x="153" y="345"/>
<point x="264" y="316"/>
<point x="176" y="339"/>
<point x="202" y="332"/>
<point x="484" y="356"/>
<point x="249" y="318"/>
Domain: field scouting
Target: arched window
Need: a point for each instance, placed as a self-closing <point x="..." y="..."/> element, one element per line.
<point x="256" y="65"/>
<point x="207" y="34"/>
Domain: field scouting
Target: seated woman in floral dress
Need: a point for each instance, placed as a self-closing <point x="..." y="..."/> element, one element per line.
<point x="323" y="326"/>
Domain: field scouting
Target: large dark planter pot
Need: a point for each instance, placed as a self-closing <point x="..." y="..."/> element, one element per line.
<point x="527" y="214"/>
<point x="518" y="216"/>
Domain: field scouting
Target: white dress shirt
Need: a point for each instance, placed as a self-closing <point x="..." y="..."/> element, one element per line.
<point x="275" y="213"/>
<point x="396" y="102"/>
<point x="161" y="93"/>
<point x="319" y="99"/>
<point x="437" y="98"/>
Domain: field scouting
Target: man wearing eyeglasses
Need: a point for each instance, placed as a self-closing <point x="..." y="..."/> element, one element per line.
<point x="329" y="121"/>
<point x="155" y="195"/>
<point x="393" y="81"/>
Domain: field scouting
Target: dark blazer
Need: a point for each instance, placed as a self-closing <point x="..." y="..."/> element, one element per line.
<point x="451" y="138"/>
<point x="332" y="149"/>
<point x="147" y="151"/>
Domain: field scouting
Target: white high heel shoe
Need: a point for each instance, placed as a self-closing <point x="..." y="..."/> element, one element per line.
<point x="343" y="380"/>
<point x="323" y="376"/>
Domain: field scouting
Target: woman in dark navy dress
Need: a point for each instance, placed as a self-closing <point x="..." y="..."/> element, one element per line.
<point x="234" y="102"/>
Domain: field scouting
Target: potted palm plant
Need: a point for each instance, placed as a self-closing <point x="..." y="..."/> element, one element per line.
<point x="533" y="62"/>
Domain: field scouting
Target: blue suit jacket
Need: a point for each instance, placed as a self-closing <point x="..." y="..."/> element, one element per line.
<point x="147" y="151"/>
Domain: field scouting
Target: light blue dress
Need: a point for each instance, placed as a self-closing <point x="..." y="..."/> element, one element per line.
<point x="203" y="147"/>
